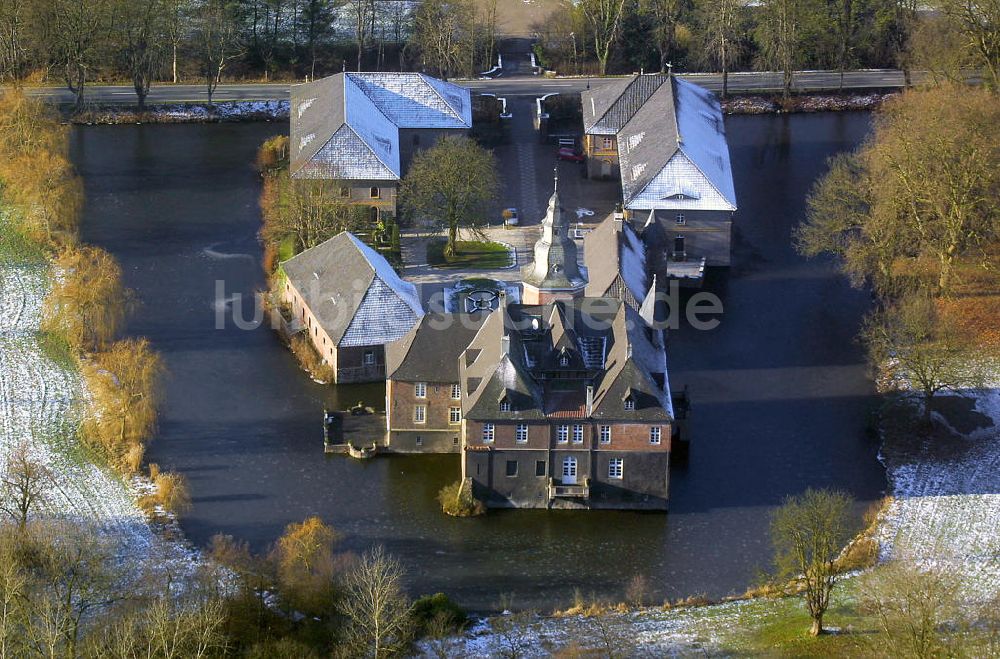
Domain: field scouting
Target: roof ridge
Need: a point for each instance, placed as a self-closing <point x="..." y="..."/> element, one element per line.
<point x="309" y="249"/>
<point x="611" y="105"/>
<point x="369" y="97"/>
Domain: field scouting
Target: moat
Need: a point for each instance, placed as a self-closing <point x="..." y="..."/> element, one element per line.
<point x="780" y="394"/>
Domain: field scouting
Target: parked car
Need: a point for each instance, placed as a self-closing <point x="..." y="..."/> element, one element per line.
<point x="571" y="154"/>
<point x="509" y="217"/>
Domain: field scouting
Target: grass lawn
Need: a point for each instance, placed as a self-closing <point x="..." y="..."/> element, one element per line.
<point x="286" y="248"/>
<point x="474" y="254"/>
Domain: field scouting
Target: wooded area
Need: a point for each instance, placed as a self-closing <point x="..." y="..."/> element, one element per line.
<point x="146" y="41"/>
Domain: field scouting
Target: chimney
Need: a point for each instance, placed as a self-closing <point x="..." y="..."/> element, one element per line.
<point x="505" y="345"/>
<point x="590" y="399"/>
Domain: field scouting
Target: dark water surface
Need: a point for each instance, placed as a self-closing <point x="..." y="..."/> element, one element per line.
<point x="780" y="394"/>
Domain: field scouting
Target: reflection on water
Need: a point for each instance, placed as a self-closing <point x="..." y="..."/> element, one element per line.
<point x="779" y="389"/>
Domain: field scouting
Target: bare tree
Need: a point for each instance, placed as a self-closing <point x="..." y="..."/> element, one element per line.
<point x="846" y="26"/>
<point x="88" y="302"/>
<point x="178" y="20"/>
<point x="605" y="20"/>
<point x="918" y="196"/>
<point x="722" y="27"/>
<point x="454" y="181"/>
<point x="24" y="485"/>
<point x="510" y="634"/>
<point x="809" y="532"/>
<point x="914" y="612"/>
<point x="780" y="32"/>
<point x="910" y="342"/>
<point x="665" y="15"/>
<point x="76" y="35"/>
<point x="978" y="23"/>
<point x="377" y="610"/>
<point x="305" y="565"/>
<point x="123" y="383"/>
<point x="217" y="35"/>
<point x="13" y="47"/>
<point x="142" y="29"/>
<point x="309" y="211"/>
<point x="362" y="14"/>
<point x="637" y="592"/>
<point x="15" y="586"/>
<point x="611" y="635"/>
<point x="443" y="32"/>
<point x="75" y="575"/>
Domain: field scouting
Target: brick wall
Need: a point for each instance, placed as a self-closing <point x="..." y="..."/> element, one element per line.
<point x="437" y="433"/>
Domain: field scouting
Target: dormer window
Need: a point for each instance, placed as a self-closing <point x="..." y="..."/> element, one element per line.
<point x="564" y="359"/>
<point x="504" y="403"/>
<point x="629" y="403"/>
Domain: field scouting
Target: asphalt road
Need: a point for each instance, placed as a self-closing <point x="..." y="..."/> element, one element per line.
<point x="512" y="86"/>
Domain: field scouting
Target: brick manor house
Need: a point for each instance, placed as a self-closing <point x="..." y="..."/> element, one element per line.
<point x="560" y="402"/>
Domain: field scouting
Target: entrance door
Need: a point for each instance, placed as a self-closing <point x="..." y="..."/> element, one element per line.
<point x="569" y="471"/>
<point x="605" y="169"/>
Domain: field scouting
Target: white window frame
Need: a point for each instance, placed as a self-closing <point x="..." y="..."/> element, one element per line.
<point x="680" y="220"/>
<point x="369" y="357"/>
<point x="608" y="144"/>
<point x="419" y="414"/>
<point x="562" y="434"/>
<point x="616" y="468"/>
<point x="605" y="434"/>
<point x="563" y="360"/>
<point x="489" y="433"/>
<point x="629" y="404"/>
<point x="578" y="433"/>
<point x="505" y="405"/>
<point x="655" y="435"/>
<point x="420" y="389"/>
<point x="454" y="415"/>
<point x="456" y="392"/>
<point x="521" y="433"/>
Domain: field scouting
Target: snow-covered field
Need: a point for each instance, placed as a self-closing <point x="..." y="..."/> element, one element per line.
<point x="180" y="113"/>
<point x="945" y="513"/>
<point x="39" y="405"/>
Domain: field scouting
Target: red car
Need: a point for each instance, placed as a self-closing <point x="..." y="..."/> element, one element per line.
<point x="568" y="153"/>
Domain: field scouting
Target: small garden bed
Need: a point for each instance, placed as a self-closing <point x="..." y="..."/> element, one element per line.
<point x="473" y="254"/>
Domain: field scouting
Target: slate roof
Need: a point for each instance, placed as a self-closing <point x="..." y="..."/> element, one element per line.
<point x="514" y="356"/>
<point x="429" y="352"/>
<point x="355" y="295"/>
<point x="671" y="142"/>
<point x="346" y="126"/>
<point x="613" y="250"/>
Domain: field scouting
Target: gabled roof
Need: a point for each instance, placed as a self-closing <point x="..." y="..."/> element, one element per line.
<point x="610" y="106"/>
<point x="495" y="369"/>
<point x="429" y="351"/>
<point x="671" y="141"/>
<point x="611" y="250"/>
<point x="355" y="295"/>
<point x="607" y="341"/>
<point x="634" y="357"/>
<point x="346" y="126"/>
